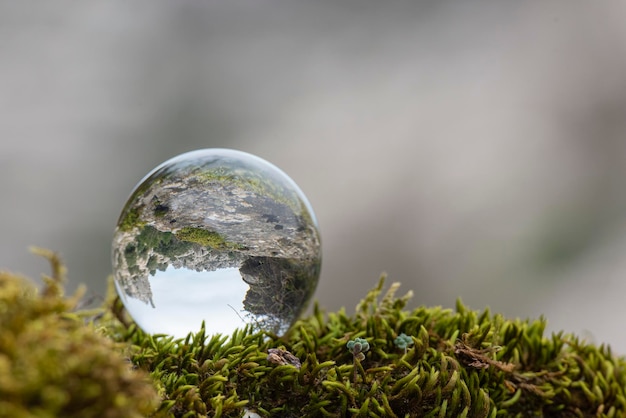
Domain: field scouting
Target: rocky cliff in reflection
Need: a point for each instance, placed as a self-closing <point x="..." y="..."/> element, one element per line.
<point x="260" y="224"/>
<point x="279" y="290"/>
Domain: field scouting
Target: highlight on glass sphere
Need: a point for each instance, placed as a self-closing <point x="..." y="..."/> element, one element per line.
<point x="219" y="236"/>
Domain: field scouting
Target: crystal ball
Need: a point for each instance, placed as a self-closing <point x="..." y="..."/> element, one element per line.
<point x="219" y="236"/>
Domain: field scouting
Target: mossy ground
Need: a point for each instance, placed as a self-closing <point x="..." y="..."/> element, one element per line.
<point x="460" y="363"/>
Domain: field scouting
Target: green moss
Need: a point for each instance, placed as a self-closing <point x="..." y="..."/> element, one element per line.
<point x="55" y="362"/>
<point x="459" y="364"/>
<point x="204" y="237"/>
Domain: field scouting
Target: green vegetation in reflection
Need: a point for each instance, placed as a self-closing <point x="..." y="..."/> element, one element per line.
<point x="130" y="219"/>
<point x="205" y="238"/>
<point x="151" y="240"/>
<point x="154" y="249"/>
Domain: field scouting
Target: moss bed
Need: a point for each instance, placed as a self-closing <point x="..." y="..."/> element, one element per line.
<point x="59" y="359"/>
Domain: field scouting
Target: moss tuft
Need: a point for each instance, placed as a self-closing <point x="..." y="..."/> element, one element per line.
<point x="54" y="363"/>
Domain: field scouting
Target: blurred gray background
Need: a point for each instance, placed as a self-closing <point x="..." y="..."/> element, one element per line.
<point x="468" y="149"/>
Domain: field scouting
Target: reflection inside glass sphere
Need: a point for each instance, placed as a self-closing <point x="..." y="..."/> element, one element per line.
<point x="218" y="236"/>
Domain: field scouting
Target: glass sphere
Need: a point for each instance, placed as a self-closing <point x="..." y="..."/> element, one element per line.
<point x="219" y="236"/>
